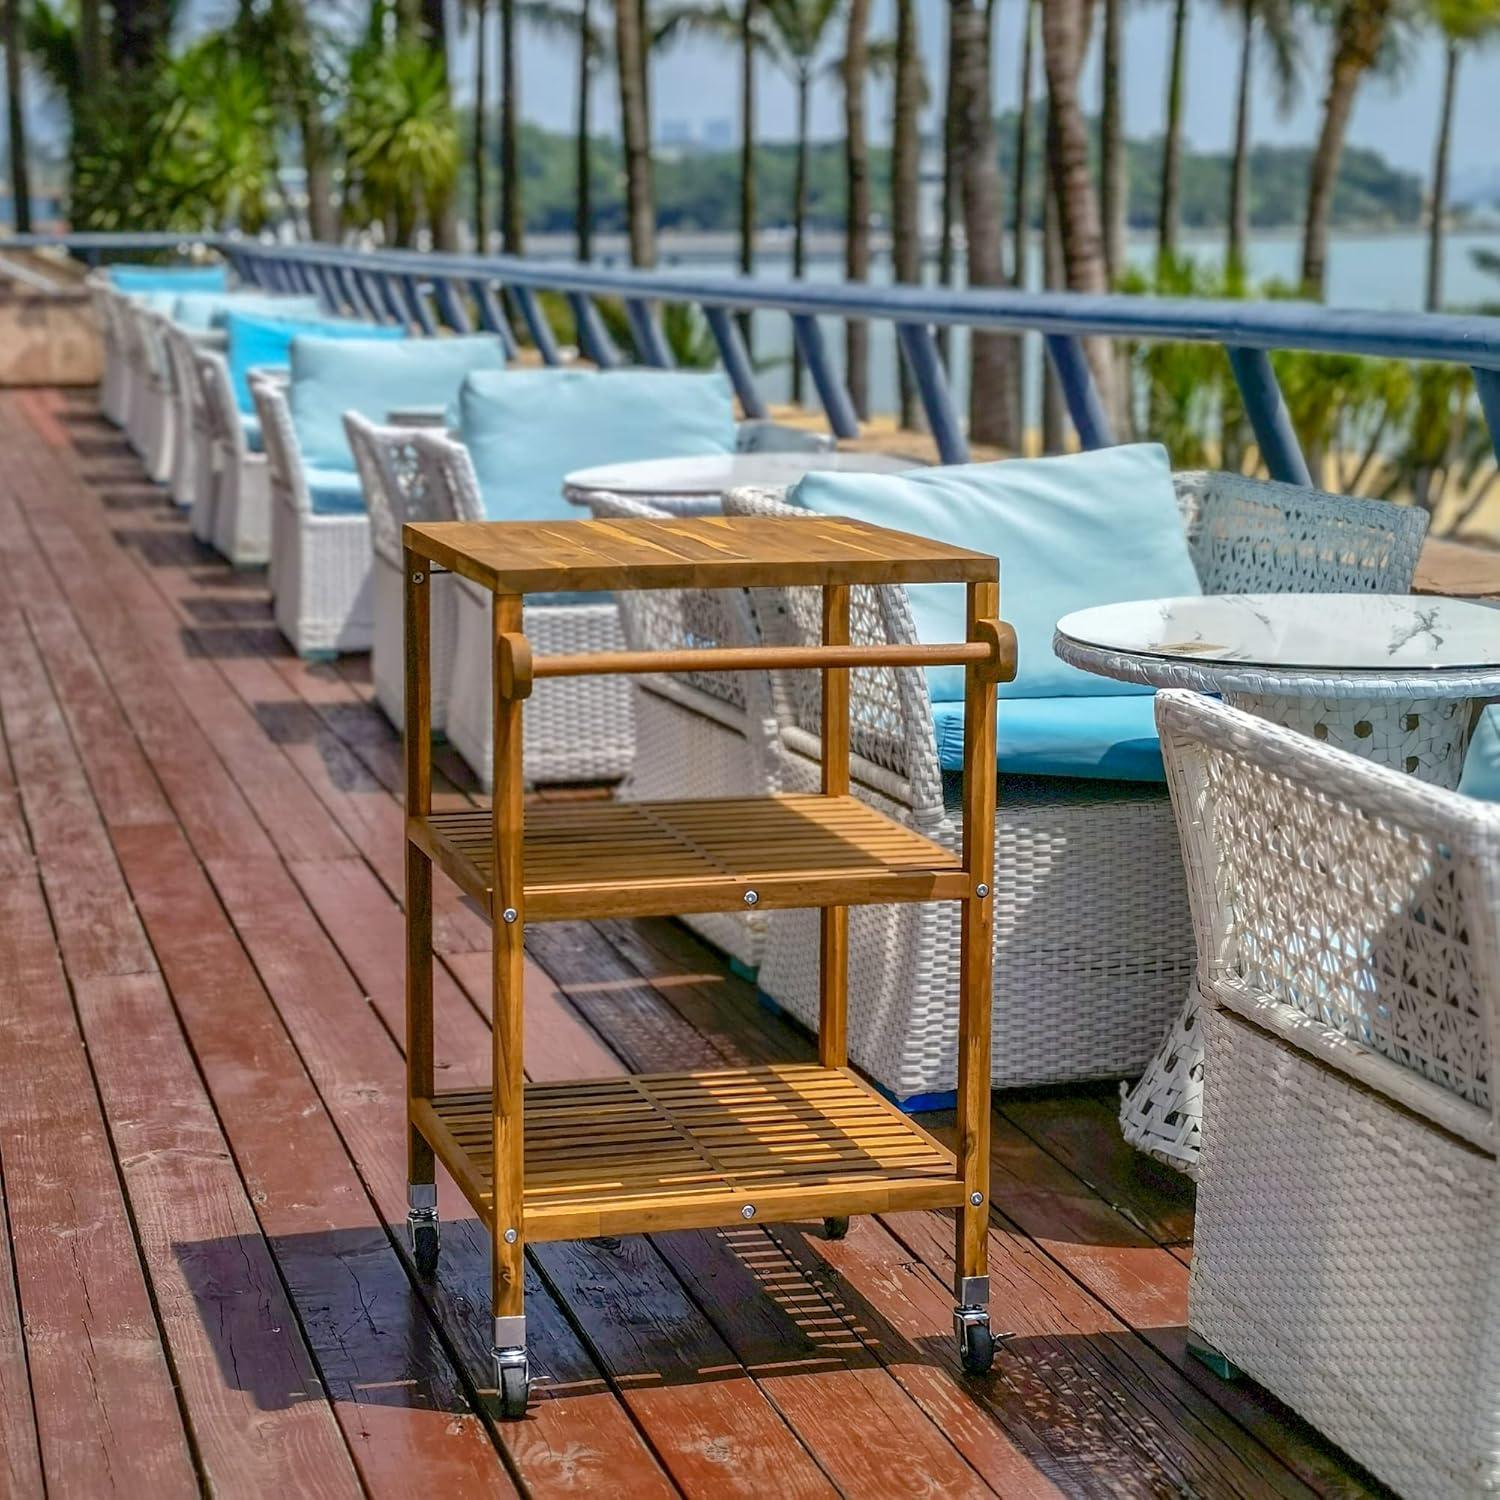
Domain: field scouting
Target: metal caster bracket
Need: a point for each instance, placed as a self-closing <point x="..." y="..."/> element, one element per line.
<point x="976" y="1343"/>
<point x="512" y="1377"/>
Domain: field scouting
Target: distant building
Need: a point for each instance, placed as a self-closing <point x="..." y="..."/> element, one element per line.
<point x="675" y="133"/>
<point x="718" y="133"/>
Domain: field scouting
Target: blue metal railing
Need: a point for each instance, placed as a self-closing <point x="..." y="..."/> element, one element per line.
<point x="432" y="290"/>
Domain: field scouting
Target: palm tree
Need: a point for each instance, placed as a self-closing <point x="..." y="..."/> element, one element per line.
<point x="993" y="405"/>
<point x="512" y="212"/>
<point x="1271" y="22"/>
<point x="750" y="43"/>
<point x="1462" y="24"/>
<point x="855" y="68"/>
<point x="635" y="128"/>
<point x="479" y="141"/>
<point x="1020" y="228"/>
<point x="1171" y="166"/>
<point x="1114" y="182"/>
<point x="1064" y="41"/>
<point x="1361" y="29"/>
<point x="906" y="172"/>
<point x="20" y="179"/>
<point x="798" y="30"/>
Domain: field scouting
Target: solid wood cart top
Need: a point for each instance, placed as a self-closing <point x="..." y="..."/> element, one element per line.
<point x="528" y="557"/>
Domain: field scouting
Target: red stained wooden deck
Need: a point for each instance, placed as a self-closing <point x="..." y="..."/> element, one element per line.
<point x="202" y="1285"/>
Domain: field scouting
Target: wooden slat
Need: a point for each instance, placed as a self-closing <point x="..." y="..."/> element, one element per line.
<point x="606" y="859"/>
<point x="521" y="557"/>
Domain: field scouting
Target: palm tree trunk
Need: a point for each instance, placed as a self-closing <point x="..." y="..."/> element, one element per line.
<point x="906" y="179"/>
<point x="583" y="153"/>
<point x="950" y="191"/>
<point x="1439" y="181"/>
<point x="1239" y="187"/>
<point x="1171" y="166"/>
<point x="857" y="173"/>
<point x="1020" y="220"/>
<point x="91" y="57"/>
<point x="1358" y="35"/>
<point x="1064" y="36"/>
<point x="512" y="210"/>
<point x="20" y="177"/>
<point x="1054" y="278"/>
<point x="992" y="386"/>
<point x="1113" y="182"/>
<point x="747" y="138"/>
<point x="640" y="193"/>
<point x="481" y="103"/>
<point x="799" y="203"/>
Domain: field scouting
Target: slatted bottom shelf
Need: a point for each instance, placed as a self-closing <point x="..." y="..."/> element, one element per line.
<point x="602" y="859"/>
<point x="694" y="1150"/>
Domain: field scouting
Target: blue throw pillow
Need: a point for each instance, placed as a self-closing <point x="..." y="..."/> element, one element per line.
<point x="257" y="339"/>
<point x="1481" y="776"/>
<point x="1088" y="528"/>
<point x="330" y="377"/>
<point x="1112" y="737"/>
<point x="170" y="278"/>
<point x="212" y="309"/>
<point x="526" y="429"/>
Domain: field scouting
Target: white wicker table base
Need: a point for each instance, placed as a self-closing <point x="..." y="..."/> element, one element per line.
<point x="1425" y="737"/>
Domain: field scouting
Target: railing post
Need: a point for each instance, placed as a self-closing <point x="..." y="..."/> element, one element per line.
<point x="390" y="293"/>
<point x="932" y="385"/>
<point x="373" y="290"/>
<point x="837" y="406"/>
<point x="537" y="325"/>
<point x="1266" y="408"/>
<point x="650" y="343"/>
<point x="355" y="294"/>
<point x="492" y="317"/>
<point x="419" y="307"/>
<point x="1090" y="420"/>
<point x="451" y="306"/>
<point x="737" y="364"/>
<point x="594" y="342"/>
<point x="1487" y="383"/>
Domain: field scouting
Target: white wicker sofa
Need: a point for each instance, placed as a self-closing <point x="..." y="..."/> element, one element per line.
<point x="1347" y="1248"/>
<point x="1093" y="949"/>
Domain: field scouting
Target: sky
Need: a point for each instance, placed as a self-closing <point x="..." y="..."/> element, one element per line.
<point x="696" y="85"/>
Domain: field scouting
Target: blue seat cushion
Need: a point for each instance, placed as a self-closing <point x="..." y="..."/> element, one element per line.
<point x="258" y="339"/>
<point x="134" y="278"/>
<point x="332" y="376"/>
<point x="212" y="309"/>
<point x="334" y="492"/>
<point x="1481" y="777"/>
<point x="1110" y="736"/>
<point x="1088" y="528"/>
<point x="526" y="429"/>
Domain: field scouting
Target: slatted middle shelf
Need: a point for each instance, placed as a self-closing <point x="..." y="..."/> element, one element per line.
<point x="602" y="859"/>
<point x="694" y="1150"/>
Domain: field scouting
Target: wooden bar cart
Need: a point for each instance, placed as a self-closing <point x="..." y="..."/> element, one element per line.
<point x="706" y="1149"/>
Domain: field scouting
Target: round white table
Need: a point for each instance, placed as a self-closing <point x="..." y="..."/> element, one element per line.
<point x="1391" y="677"/>
<point x="692" y="486"/>
<point x="1397" y="679"/>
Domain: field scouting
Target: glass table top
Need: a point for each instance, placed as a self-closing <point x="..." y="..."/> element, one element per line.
<point x="714" y="473"/>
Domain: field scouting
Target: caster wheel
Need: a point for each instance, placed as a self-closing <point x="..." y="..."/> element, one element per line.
<point x="836" y="1229"/>
<point x="976" y="1348"/>
<point x="424" y="1248"/>
<point x="515" y="1391"/>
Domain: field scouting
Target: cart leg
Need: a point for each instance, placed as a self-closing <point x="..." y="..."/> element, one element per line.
<point x="971" y="1315"/>
<point x="833" y="954"/>
<point x="512" y="683"/>
<point x="421" y="1178"/>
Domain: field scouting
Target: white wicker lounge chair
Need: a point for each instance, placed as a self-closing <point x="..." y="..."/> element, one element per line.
<point x="116" y="374"/>
<point x="153" y="435"/>
<point x="575" y="728"/>
<point x="192" y="447"/>
<point x="1093" y="949"/>
<point x="1347" y="1249"/>
<point x="236" y="517"/>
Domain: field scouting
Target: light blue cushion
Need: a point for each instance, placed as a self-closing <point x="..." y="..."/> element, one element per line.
<point x="1481" y="777"/>
<point x="330" y="377"/>
<point x="212" y="309"/>
<point x="170" y="278"/>
<point x="1111" y="736"/>
<point x="257" y="340"/>
<point x="526" y="429"/>
<point x="334" y="492"/>
<point x="250" y="424"/>
<point x="1088" y="528"/>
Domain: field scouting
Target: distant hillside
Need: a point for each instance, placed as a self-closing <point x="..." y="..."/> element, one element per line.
<point x="699" y="189"/>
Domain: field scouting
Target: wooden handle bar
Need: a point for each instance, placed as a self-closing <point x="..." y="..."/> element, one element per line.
<point x="997" y="650"/>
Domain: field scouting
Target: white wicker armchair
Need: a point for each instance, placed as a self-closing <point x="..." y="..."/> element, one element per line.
<point x="574" y="728"/>
<point x="321" y="584"/>
<point x="192" y="447"/>
<point x="114" y="381"/>
<point x="1093" y="948"/>
<point x="240" y="505"/>
<point x="1347" y="1248"/>
<point x="150" y="428"/>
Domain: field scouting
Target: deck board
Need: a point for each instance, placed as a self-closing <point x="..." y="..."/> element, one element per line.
<point x="221" y="853"/>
